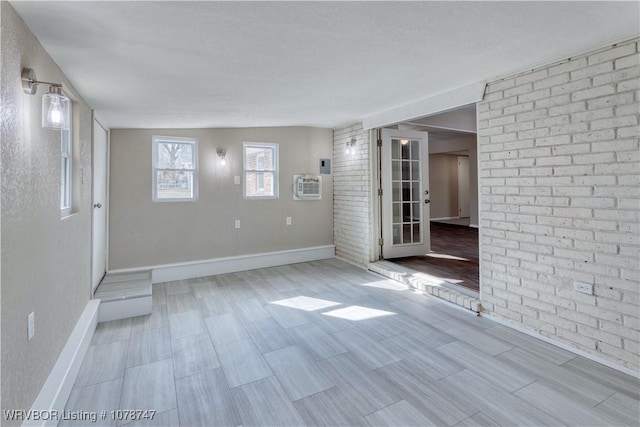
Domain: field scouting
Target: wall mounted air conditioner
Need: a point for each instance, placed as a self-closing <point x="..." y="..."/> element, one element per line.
<point x="307" y="187"/>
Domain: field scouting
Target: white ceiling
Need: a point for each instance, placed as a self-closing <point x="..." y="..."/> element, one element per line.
<point x="237" y="64"/>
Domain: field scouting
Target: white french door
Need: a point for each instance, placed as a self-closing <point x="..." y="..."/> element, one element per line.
<point x="405" y="193"/>
<point x="99" y="235"/>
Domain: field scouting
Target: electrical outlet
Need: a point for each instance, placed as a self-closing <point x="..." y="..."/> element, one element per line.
<point x="583" y="288"/>
<point x="31" y="326"/>
<point x="288" y="220"/>
<point x="236" y="180"/>
<point x="237" y="223"/>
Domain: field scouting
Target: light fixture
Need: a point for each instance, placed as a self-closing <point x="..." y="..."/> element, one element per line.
<point x="222" y="153"/>
<point x="55" y="105"/>
<point x="351" y="146"/>
<point x="404" y="141"/>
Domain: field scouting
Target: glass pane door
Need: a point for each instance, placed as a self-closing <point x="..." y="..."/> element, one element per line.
<point x="405" y="184"/>
<point x="405" y="179"/>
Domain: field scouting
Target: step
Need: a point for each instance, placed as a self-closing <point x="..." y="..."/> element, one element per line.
<point x="124" y="295"/>
<point x="423" y="282"/>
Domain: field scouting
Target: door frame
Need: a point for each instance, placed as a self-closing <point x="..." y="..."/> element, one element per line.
<point x="467" y="174"/>
<point x="389" y="249"/>
<point x="94" y="121"/>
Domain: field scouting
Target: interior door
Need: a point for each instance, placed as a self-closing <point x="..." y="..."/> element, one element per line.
<point x="464" y="208"/>
<point x="405" y="193"/>
<point x="99" y="235"/>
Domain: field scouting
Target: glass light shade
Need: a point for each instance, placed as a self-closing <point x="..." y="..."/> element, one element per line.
<point x="55" y="110"/>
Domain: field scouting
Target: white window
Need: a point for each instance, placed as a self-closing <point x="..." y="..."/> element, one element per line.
<point x="175" y="169"/>
<point x="260" y="170"/>
<point x="66" y="171"/>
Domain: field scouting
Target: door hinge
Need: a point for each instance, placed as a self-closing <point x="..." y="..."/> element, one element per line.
<point x="380" y="242"/>
<point x="379" y="191"/>
<point x="379" y="143"/>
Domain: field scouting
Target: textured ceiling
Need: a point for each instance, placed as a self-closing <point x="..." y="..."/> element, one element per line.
<point x="228" y="64"/>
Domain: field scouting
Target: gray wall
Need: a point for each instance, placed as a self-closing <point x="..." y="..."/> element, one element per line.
<point x="45" y="259"/>
<point x="465" y="143"/>
<point x="443" y="185"/>
<point x="143" y="233"/>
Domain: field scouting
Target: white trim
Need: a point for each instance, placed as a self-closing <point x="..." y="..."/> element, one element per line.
<point x="520" y="328"/>
<point x="375" y="232"/>
<point x="210" y="267"/>
<point x="474" y="226"/>
<point x="275" y="147"/>
<point x="445" y="217"/>
<point x="570" y="56"/>
<point x="56" y="390"/>
<point x="439" y="103"/>
<point x="157" y="140"/>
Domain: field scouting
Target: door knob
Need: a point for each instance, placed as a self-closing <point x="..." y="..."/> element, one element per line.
<point x="97" y="205"/>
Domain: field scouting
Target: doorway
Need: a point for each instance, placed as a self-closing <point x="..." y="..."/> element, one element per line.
<point x="405" y="184"/>
<point x="451" y="193"/>
<point x="99" y="202"/>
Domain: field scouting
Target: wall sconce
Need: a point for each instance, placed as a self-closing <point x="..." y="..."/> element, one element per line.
<point x="351" y="146"/>
<point x="222" y="153"/>
<point x="55" y="105"/>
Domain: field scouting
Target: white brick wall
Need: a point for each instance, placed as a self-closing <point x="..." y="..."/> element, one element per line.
<point x="560" y="200"/>
<point x="352" y="205"/>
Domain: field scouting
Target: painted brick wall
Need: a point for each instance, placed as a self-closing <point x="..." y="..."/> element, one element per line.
<point x="560" y="200"/>
<point x="351" y="195"/>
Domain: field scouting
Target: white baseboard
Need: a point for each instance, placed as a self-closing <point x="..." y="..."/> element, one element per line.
<point x="519" y="327"/>
<point x="211" y="267"/>
<point x="56" y="390"/>
<point x="474" y="226"/>
<point x="444" y="218"/>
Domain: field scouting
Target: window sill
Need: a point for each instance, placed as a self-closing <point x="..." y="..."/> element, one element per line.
<point x="174" y="200"/>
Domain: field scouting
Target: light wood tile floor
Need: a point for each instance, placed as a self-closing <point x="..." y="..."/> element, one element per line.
<point x="325" y="343"/>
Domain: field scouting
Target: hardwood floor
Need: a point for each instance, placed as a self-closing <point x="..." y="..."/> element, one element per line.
<point x="325" y="343"/>
<point x="454" y="256"/>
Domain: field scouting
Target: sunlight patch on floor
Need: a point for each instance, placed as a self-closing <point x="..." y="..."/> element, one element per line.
<point x="356" y="312"/>
<point x="445" y="256"/>
<point x="306" y="303"/>
<point x="387" y="284"/>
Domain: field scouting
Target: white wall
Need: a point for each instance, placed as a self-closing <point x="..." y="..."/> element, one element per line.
<point x="146" y="233"/>
<point x="560" y="201"/>
<point x="45" y="259"/>
<point x="353" y="207"/>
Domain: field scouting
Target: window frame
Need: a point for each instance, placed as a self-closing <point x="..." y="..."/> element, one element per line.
<point x="275" y="170"/>
<point x="156" y="142"/>
<point x="66" y="167"/>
